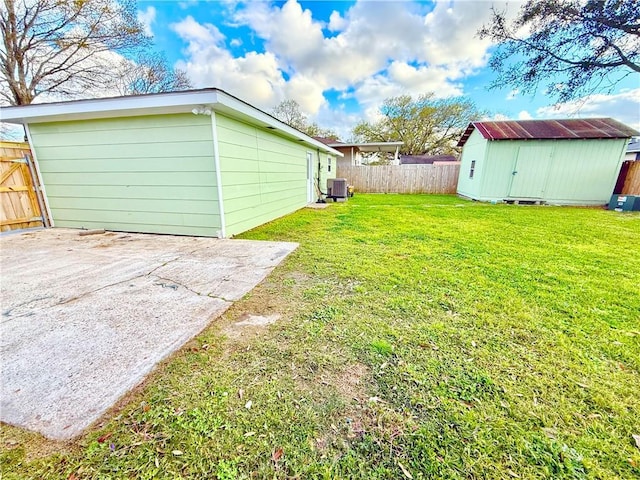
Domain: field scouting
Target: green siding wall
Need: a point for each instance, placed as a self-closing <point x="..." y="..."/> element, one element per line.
<point x="325" y="174"/>
<point x="580" y="172"/>
<point x="590" y="172"/>
<point x="151" y="174"/>
<point x="264" y="176"/>
<point x="474" y="149"/>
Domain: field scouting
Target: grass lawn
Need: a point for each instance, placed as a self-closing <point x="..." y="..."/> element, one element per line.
<point x="421" y="337"/>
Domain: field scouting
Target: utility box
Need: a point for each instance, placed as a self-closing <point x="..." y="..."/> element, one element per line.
<point x="337" y="189"/>
<point x="625" y="203"/>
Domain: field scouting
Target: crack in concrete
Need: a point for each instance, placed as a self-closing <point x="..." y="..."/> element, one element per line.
<point x="129" y="279"/>
<point x="200" y="294"/>
<point x="7" y="312"/>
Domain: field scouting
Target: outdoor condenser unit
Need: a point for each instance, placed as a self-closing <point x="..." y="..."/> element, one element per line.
<point x="625" y="203"/>
<point x="337" y="188"/>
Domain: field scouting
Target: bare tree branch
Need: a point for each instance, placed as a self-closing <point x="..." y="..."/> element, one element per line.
<point x="569" y="45"/>
<point x="64" y="47"/>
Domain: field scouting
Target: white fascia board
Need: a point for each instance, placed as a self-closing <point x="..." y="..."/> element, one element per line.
<point x="265" y="120"/>
<point x="372" y="147"/>
<point x="154" y="104"/>
<point x="177" y="102"/>
<point x="370" y="144"/>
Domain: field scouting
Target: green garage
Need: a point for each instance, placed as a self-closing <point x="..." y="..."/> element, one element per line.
<point x="199" y="162"/>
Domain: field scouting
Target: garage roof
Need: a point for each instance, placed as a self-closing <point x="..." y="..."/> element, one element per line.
<point x="202" y="101"/>
<point x="549" y="129"/>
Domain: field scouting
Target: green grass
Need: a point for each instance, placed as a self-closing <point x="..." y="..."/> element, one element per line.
<point x="419" y="334"/>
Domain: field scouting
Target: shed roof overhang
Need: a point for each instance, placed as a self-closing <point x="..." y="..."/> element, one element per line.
<point x="202" y="101"/>
<point x="567" y="129"/>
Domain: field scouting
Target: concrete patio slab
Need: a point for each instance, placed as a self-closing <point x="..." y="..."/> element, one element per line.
<point x="86" y="318"/>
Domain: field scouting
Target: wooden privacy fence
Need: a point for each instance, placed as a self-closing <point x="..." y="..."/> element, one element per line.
<point x="22" y="202"/>
<point x="632" y="180"/>
<point x="436" y="178"/>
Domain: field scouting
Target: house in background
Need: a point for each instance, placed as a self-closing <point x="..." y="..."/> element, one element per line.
<point x="426" y="159"/>
<point x="198" y="162"/>
<point x="628" y="182"/>
<point x="571" y="162"/>
<point x="633" y="150"/>
<point x="357" y="154"/>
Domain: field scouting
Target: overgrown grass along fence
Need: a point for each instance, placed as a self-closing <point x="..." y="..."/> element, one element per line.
<point x="436" y="178"/>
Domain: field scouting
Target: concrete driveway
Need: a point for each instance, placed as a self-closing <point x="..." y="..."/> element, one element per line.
<point x="86" y="318"/>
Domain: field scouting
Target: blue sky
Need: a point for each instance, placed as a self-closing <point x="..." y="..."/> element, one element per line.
<point x="339" y="60"/>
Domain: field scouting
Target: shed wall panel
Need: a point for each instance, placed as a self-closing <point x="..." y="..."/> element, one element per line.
<point x="581" y="171"/>
<point x="264" y="176"/>
<point x="474" y="150"/>
<point x="501" y="161"/>
<point x="152" y="174"/>
<point x="585" y="170"/>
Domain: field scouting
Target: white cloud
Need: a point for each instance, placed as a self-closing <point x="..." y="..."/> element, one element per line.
<point x="380" y="49"/>
<point x="337" y="119"/>
<point x="146" y="18"/>
<point x="498" y="117"/>
<point x="184" y="5"/>
<point x="524" y="115"/>
<point x="254" y="77"/>
<point x="336" y="22"/>
<point x="388" y="47"/>
<point x="623" y="106"/>
<point x="195" y="33"/>
<point x="236" y="42"/>
<point x="512" y="94"/>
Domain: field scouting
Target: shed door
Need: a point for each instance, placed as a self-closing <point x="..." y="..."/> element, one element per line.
<point x="530" y="171"/>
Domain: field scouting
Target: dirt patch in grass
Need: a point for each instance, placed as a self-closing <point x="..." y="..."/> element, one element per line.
<point x="33" y="445"/>
<point x="350" y="382"/>
<point x="248" y="324"/>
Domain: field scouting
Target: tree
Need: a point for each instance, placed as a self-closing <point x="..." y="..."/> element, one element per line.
<point x="289" y="112"/>
<point x="573" y="47"/>
<point x="64" y="47"/>
<point x="426" y="125"/>
<point x="314" y="130"/>
<point x="149" y="73"/>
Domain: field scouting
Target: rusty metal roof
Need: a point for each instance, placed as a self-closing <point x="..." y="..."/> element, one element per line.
<point x="549" y="129"/>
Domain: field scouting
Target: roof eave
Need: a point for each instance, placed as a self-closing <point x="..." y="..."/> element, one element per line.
<point x="156" y="104"/>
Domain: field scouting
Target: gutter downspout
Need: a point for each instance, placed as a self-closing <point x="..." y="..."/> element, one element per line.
<point x="319" y="176"/>
<point x="216" y="161"/>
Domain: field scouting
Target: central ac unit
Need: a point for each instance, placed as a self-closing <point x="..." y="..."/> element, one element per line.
<point x="337" y="188"/>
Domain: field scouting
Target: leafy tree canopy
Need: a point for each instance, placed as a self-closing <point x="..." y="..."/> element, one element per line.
<point x="426" y="125"/>
<point x="571" y="47"/>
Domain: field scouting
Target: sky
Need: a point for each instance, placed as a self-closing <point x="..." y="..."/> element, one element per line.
<point x="340" y="59"/>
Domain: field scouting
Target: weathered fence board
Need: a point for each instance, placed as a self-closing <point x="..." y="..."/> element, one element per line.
<point x="436" y="178"/>
<point x="632" y="181"/>
<point x="20" y="204"/>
